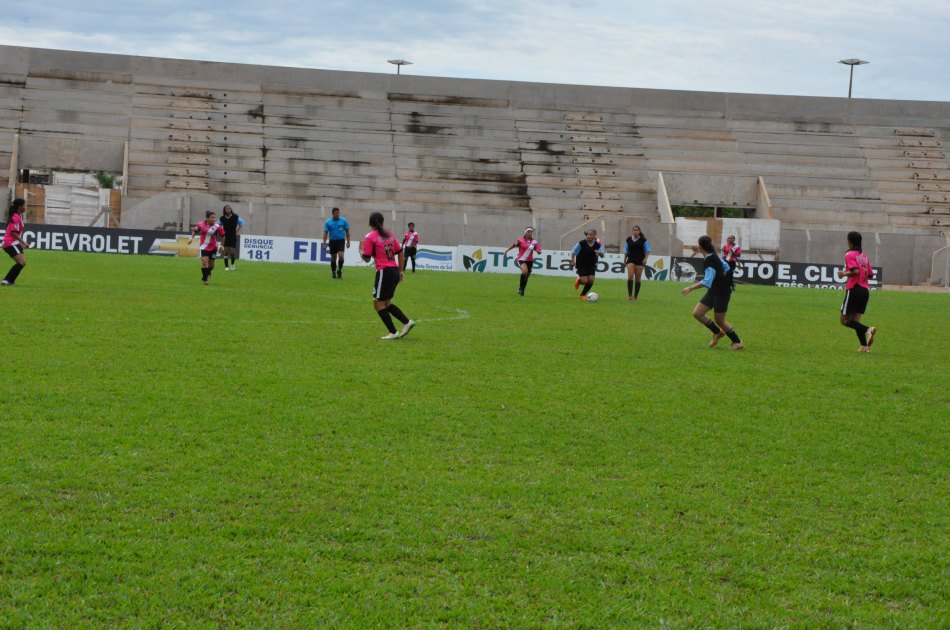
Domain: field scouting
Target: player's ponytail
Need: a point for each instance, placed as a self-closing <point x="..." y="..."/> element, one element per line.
<point x="854" y="239"/>
<point x="376" y="222"/>
<point x="16" y="207"/>
<point x="706" y="244"/>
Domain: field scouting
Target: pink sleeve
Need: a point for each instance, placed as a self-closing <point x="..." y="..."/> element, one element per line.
<point x="368" y="244"/>
<point x="850" y="260"/>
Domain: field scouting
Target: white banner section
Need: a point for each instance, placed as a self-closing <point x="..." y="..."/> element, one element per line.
<point x="287" y="249"/>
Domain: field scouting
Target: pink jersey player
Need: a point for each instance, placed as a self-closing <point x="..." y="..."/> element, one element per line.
<point x="209" y="235"/>
<point x="382" y="250"/>
<point x="14" y="229"/>
<point x="858" y="260"/>
<point x="210" y="229"/>
<point x="411" y="239"/>
<point x="527" y="248"/>
<point x="382" y="246"/>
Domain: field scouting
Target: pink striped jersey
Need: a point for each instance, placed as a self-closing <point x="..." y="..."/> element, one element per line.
<point x="382" y="249"/>
<point x="527" y="249"/>
<point x="208" y="241"/>
<point x="14" y="225"/>
<point x="731" y="252"/>
<point x="411" y="239"/>
<point x="854" y="259"/>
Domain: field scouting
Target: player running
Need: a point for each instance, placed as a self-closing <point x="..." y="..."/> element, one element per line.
<point x="527" y="248"/>
<point x="232" y="225"/>
<point x="382" y="246"/>
<point x="637" y="251"/>
<point x="717" y="278"/>
<point x="13" y="243"/>
<point x="338" y="229"/>
<point x="585" y="255"/>
<point x="857" y="269"/>
<point x="210" y="230"/>
<point x="410" y="242"/>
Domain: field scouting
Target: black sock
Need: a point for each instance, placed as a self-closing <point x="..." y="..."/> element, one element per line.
<point x="859" y="329"/>
<point x="733" y="336"/>
<point x="232" y="260"/>
<point x="587" y="287"/>
<point x="711" y="325"/>
<point x="14" y="272"/>
<point x="398" y="314"/>
<point x="339" y="267"/>
<point x="205" y="272"/>
<point x="523" y="283"/>
<point x="413" y="264"/>
<point x="333" y="266"/>
<point x="387" y="320"/>
<point x="637" y="291"/>
<point x="629" y="288"/>
<point x="226" y="262"/>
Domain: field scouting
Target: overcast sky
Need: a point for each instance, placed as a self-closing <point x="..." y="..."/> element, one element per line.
<point x="764" y="46"/>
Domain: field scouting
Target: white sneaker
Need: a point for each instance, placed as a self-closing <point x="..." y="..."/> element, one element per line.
<point x="227" y="269"/>
<point x="405" y="329"/>
<point x="391" y="336"/>
<point x="6" y="283"/>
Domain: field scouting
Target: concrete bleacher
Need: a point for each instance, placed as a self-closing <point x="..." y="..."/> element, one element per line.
<point x="487" y="157"/>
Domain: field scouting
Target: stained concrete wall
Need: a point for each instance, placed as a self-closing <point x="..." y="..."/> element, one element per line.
<point x="467" y="160"/>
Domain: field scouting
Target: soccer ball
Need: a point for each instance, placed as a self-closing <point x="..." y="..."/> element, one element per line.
<point x="592" y="297"/>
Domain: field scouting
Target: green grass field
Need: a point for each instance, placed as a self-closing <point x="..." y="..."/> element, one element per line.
<point x="251" y="454"/>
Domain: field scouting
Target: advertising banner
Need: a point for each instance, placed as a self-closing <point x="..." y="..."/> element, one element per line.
<point x="287" y="249"/>
<point x="773" y="273"/>
<point x="73" y="238"/>
<point x="487" y="259"/>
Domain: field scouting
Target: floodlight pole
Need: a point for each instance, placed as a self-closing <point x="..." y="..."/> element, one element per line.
<point x="399" y="63"/>
<point x="852" y="63"/>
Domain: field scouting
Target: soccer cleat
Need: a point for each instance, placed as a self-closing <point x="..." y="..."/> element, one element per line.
<point x="577" y="283"/>
<point x="339" y="275"/>
<point x="520" y="292"/>
<point x="405" y="329"/>
<point x="6" y="283"/>
<point x="630" y="298"/>
<point x="864" y="350"/>
<point x="869" y="335"/>
<point x="391" y="336"/>
<point x="737" y="346"/>
<point x="227" y="269"/>
<point x="584" y="297"/>
<point x="715" y="339"/>
<point x="205" y="282"/>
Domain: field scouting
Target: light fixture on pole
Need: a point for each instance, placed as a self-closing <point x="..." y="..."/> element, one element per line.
<point x="852" y="63"/>
<point x="399" y="63"/>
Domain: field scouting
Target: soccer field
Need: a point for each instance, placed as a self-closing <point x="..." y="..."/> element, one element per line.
<point x="251" y="453"/>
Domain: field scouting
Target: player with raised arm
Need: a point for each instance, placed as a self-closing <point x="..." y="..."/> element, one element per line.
<point x="210" y="230"/>
<point x="636" y="251"/>
<point x="338" y="230"/>
<point x="380" y="245"/>
<point x="410" y="244"/>
<point x="13" y="243"/>
<point x="857" y="269"/>
<point x="584" y="257"/>
<point x="527" y="248"/>
<point x="717" y="279"/>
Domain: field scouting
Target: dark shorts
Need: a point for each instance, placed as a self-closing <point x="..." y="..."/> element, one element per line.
<point x="13" y="250"/>
<point x="855" y="301"/>
<point x="718" y="303"/>
<point x="633" y="261"/>
<point x="385" y="286"/>
<point x="231" y="241"/>
<point x="208" y="253"/>
<point x="529" y="263"/>
<point x="410" y="252"/>
<point x="587" y="271"/>
<point x="338" y="245"/>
